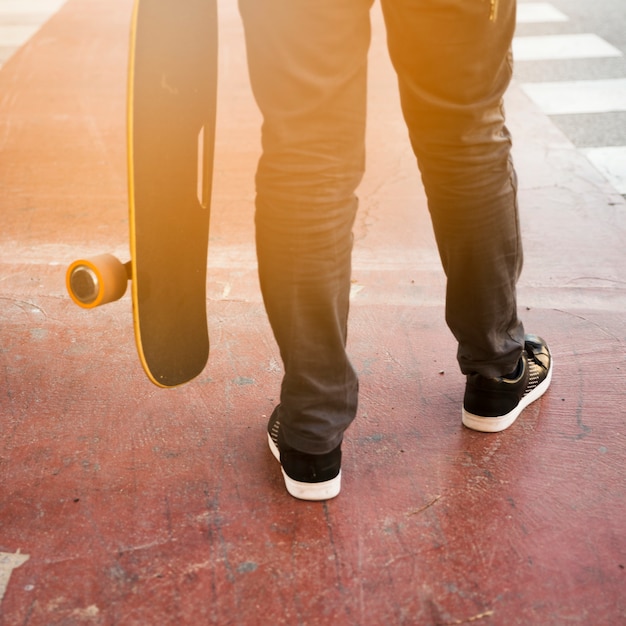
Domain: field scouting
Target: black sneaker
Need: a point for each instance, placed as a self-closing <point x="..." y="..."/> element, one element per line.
<point x="493" y="404"/>
<point x="307" y="476"/>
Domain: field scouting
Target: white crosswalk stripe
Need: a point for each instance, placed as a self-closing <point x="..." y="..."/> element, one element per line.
<point x="538" y="12"/>
<point x="20" y="20"/>
<point x="580" y="96"/>
<point x="575" y="46"/>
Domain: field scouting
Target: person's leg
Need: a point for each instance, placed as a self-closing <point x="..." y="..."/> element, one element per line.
<point x="307" y="63"/>
<point x="454" y="64"/>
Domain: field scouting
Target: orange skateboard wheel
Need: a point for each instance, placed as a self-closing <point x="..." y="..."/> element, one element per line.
<point x="95" y="281"/>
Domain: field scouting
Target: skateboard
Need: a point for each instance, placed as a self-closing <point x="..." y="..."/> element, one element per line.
<point x="172" y="83"/>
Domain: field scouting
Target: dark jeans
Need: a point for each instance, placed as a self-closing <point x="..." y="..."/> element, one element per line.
<point x="308" y="61"/>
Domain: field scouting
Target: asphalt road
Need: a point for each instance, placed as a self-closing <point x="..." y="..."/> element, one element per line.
<point x="605" y="19"/>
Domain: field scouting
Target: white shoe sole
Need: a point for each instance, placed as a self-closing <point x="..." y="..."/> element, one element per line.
<point x="307" y="491"/>
<point x="502" y="422"/>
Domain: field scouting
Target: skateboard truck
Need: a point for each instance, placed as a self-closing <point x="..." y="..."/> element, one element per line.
<point x="97" y="280"/>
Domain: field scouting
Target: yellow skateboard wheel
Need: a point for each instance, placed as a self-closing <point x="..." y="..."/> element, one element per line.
<point x="95" y="281"/>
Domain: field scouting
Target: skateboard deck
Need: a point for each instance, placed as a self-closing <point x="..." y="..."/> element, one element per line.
<point x="171" y="128"/>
